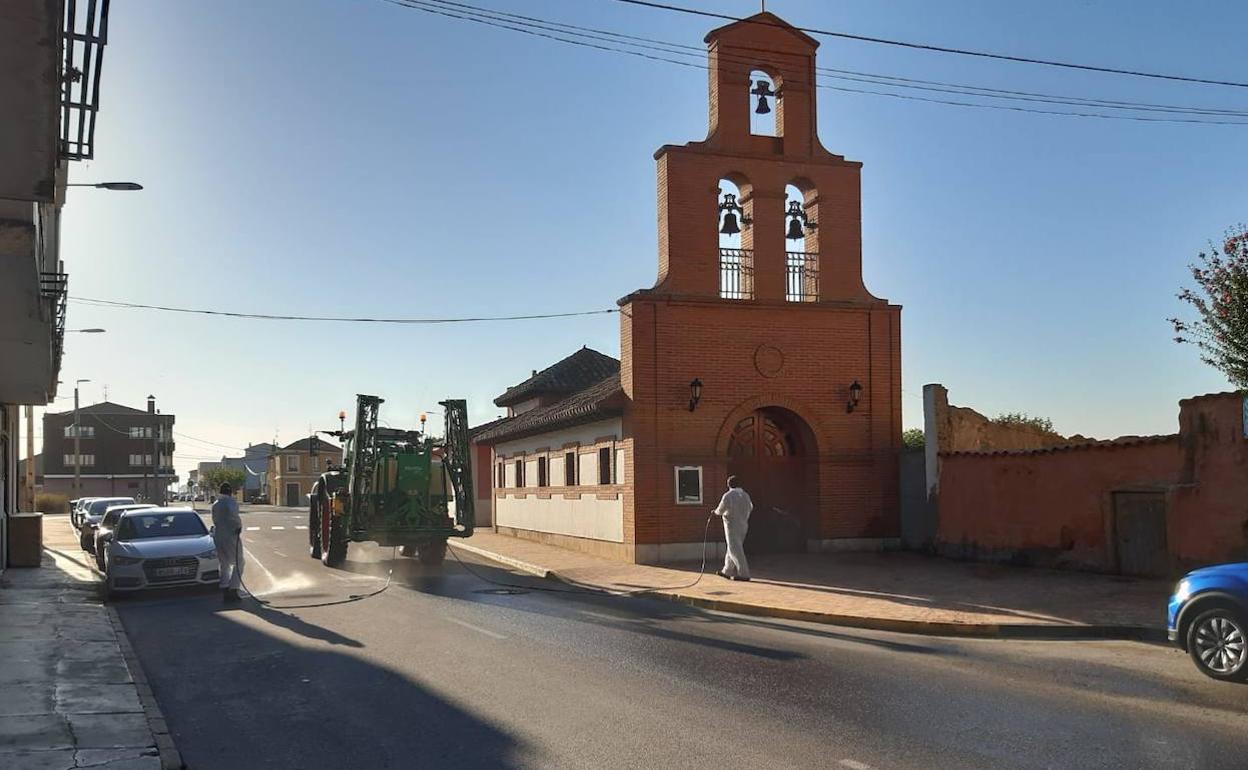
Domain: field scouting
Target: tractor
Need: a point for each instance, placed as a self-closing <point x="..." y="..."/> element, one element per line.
<point x="395" y="487"/>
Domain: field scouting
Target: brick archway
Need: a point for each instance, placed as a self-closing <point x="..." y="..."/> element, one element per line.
<point x="773" y="452"/>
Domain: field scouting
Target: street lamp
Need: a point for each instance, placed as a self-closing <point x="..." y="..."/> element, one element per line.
<point x="77" y="445"/>
<point x="85" y="331"/>
<point x="123" y="186"/>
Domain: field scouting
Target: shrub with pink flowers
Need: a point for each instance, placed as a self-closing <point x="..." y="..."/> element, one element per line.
<point x="1220" y="299"/>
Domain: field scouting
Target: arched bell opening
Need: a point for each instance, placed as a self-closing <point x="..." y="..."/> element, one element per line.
<point x="801" y="238"/>
<point x="772" y="451"/>
<point x="764" y="115"/>
<point x="736" y="258"/>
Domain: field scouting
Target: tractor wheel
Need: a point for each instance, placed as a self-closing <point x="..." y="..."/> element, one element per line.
<point x="334" y="552"/>
<point x="432" y="553"/>
<point x="314" y="528"/>
<point x="407" y="550"/>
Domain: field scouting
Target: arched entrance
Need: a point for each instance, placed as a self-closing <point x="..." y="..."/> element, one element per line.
<point x="771" y="451"/>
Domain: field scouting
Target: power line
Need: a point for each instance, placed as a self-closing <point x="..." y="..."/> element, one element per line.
<point x="210" y="443"/>
<point x="336" y="319"/>
<point x="571" y="39"/>
<point x="902" y="82"/>
<point x="944" y="49"/>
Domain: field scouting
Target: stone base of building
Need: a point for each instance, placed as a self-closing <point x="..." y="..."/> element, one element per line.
<point x="669" y="553"/>
<point x="841" y="544"/>
<point x="603" y="548"/>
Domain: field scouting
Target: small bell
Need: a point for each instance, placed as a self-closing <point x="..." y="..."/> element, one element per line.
<point x="795" y="230"/>
<point x="730" y="225"/>
<point x="762" y="89"/>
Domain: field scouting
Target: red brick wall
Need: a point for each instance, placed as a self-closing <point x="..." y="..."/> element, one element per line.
<point x="668" y="342"/>
<point x="1056" y="507"/>
<point x="1051" y="508"/>
<point x="1208" y="519"/>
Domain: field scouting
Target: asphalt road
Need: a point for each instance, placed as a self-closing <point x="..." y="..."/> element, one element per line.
<point x="440" y="671"/>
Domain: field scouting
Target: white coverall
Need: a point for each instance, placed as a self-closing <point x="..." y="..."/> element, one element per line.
<point x="735" y="507"/>
<point x="226" y="535"/>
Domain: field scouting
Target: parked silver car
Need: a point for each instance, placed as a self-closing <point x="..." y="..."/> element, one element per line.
<point x="75" y="510"/>
<point x="159" y="548"/>
<point x="90" y="517"/>
<point x="104" y="532"/>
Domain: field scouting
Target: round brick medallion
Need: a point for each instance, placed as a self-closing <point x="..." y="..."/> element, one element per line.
<point x="769" y="360"/>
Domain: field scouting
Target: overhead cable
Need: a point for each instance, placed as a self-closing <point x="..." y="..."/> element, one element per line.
<point x="944" y="49"/>
<point x="571" y="38"/>
<point x="333" y="319"/>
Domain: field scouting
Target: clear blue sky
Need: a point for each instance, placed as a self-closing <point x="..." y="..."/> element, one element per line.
<point x="352" y="157"/>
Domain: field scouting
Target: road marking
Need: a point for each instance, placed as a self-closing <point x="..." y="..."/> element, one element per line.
<point x="300" y="526"/>
<point x="277" y="528"/>
<point x="252" y="529"/>
<point x="854" y="764"/>
<point x="278" y="553"/>
<point x="478" y="629"/>
<point x="252" y="557"/>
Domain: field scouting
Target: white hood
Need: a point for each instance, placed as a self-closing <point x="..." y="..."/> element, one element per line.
<point x="164" y="547"/>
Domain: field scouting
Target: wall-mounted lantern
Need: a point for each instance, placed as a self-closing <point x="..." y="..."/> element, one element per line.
<point x="695" y="393"/>
<point x="733" y="209"/>
<point x="855" y="393"/>
<point x="797" y="220"/>
<point x="762" y="89"/>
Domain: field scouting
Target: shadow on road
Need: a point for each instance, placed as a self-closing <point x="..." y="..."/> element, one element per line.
<point x="238" y="692"/>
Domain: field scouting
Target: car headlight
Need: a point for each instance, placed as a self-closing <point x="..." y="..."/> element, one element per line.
<point x="211" y="553"/>
<point x="125" y="560"/>
<point x="1183" y="590"/>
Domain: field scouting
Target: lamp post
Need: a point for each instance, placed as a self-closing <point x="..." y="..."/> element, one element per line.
<point x="77" y="444"/>
<point x="120" y="186"/>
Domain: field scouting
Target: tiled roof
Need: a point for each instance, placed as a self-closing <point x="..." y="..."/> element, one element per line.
<point x="478" y="430"/>
<point x="578" y="371"/>
<point x="1117" y="443"/>
<point x="599" y="401"/>
<point x="106" y="407"/>
<point x="304" y="444"/>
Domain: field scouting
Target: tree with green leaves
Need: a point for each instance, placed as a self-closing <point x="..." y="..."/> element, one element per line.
<point x="913" y="438"/>
<point x="215" y="477"/>
<point x="1022" y="420"/>
<point x="1220" y="299"/>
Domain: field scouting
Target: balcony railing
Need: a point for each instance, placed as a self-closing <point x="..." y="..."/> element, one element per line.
<point x="54" y="288"/>
<point x="736" y="273"/>
<point x="85" y="33"/>
<point x="801" y="276"/>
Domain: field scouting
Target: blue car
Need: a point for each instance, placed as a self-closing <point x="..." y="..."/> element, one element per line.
<point x="1208" y="618"/>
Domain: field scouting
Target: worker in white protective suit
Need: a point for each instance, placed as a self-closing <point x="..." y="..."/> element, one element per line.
<point x="227" y="535"/>
<point x="734" y="508"/>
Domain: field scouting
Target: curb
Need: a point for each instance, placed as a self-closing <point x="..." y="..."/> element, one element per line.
<point x="170" y="757"/>
<point x="1021" y="631"/>
<point x="523" y="566"/>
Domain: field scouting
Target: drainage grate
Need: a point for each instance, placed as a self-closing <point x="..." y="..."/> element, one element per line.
<point x="501" y="591"/>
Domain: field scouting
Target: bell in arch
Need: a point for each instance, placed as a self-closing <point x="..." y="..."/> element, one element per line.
<point x="762" y="89"/>
<point x="795" y="230"/>
<point x="731" y="210"/>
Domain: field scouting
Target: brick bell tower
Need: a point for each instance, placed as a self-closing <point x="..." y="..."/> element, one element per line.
<point x="799" y="366"/>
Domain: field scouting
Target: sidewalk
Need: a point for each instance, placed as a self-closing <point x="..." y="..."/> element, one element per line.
<point x="71" y="693"/>
<point x="886" y="591"/>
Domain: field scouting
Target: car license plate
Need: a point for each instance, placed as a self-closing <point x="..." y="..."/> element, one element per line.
<point x="171" y="571"/>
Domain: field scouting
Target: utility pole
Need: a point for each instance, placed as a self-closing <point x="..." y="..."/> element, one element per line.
<point x="156" y="463"/>
<point x="30" y="457"/>
<point x="77" y="443"/>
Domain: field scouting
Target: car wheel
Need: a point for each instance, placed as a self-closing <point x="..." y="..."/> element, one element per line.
<point x="1217" y="640"/>
<point x="99" y="557"/>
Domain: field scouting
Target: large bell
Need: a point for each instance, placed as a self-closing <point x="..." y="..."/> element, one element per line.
<point x="763" y="108"/>
<point x="795" y="230"/>
<point x="730" y="224"/>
